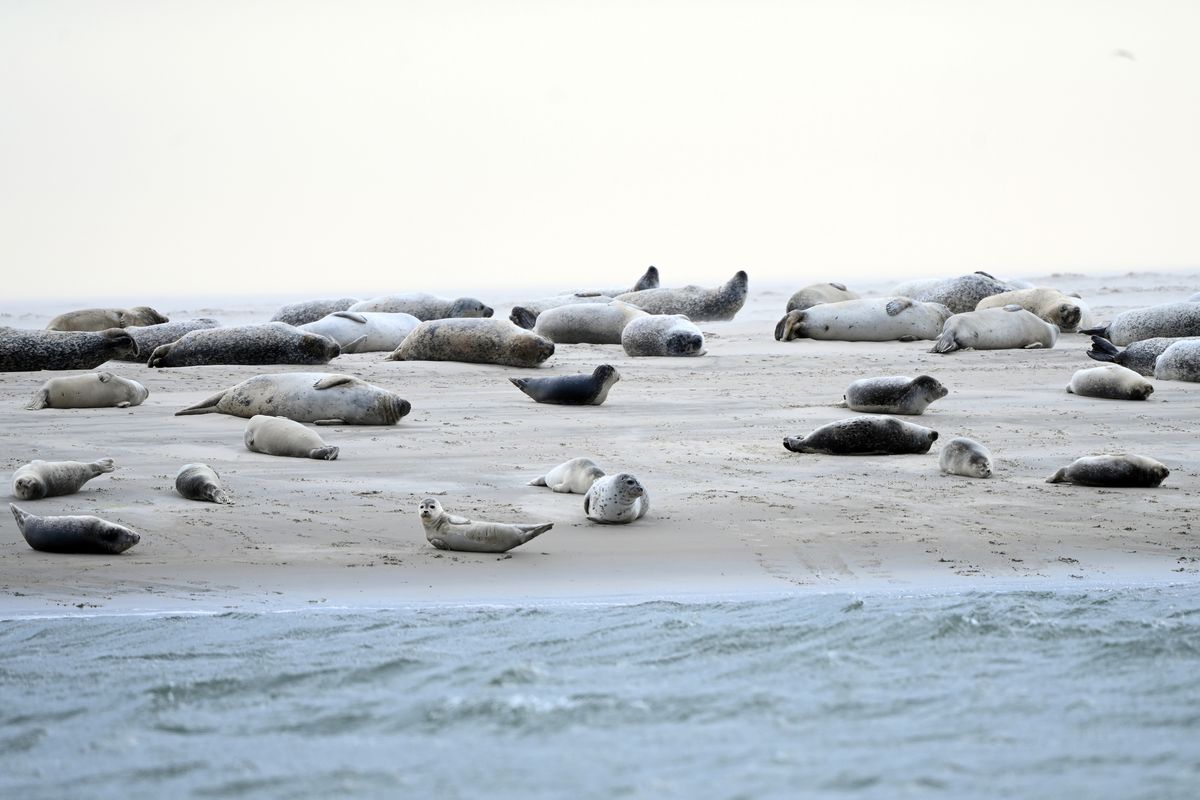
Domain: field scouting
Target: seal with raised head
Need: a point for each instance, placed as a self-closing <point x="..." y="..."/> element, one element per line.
<point x="1111" y="382"/>
<point x="426" y="306"/>
<point x="74" y="534"/>
<point x="868" y="435"/>
<point x="101" y="319"/>
<point x="671" y="335"/>
<point x="280" y="436"/>
<point x="1179" y="362"/>
<point x="819" y="293"/>
<point x="574" y="476"/>
<point x="967" y="457"/>
<point x="91" y="390"/>
<point x="1063" y="310"/>
<point x="1141" y="356"/>
<point x="261" y="343"/>
<point x="879" y="319"/>
<point x="476" y="341"/>
<point x="312" y="310"/>
<point x="616" y="500"/>
<point x="39" y="479"/>
<point x="1008" y="328"/>
<point x="28" y="351"/>
<point x="571" y="390"/>
<point x="201" y="482"/>
<point x="695" y="302"/>
<point x="1175" y="320"/>
<point x="959" y="294"/>
<point x="317" y="397"/>
<point x="449" y="532"/>
<point x="365" y="331"/>
<point x="1122" y="470"/>
<point x="894" y="394"/>
<point x="584" y="323"/>
<point x="150" y="337"/>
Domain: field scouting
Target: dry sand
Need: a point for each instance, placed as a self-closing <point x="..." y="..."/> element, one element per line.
<point x="733" y="513"/>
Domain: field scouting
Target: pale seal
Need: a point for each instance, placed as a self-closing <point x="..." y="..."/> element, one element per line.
<point x="574" y="476"/>
<point x="449" y="532"/>
<point x="101" y="319"/>
<point x="1063" y="310"/>
<point x="152" y="336"/>
<point x="1194" y="298"/>
<point x="201" y="482"/>
<point x="1011" y="327"/>
<point x="868" y="435"/>
<point x="1123" y="470"/>
<point x="957" y="294"/>
<point x="324" y="399"/>
<point x="1164" y="320"/>
<point x="819" y="293"/>
<point x="526" y="313"/>
<point x="894" y="394"/>
<point x="967" y="457"/>
<point x="1179" y="362"/>
<point x="39" y="479"/>
<point x="90" y="390"/>
<point x="586" y="323"/>
<point x="425" y="306"/>
<point x="262" y="343"/>
<point x="280" y="436"/>
<point x="1140" y="356"/>
<point x="880" y="319"/>
<point x="662" y="335"/>
<point x="27" y="351"/>
<point x="365" y="331"/>
<point x="312" y="310"/>
<point x="477" y="341"/>
<point x="74" y="534"/>
<point x="1111" y="382"/>
<point x="616" y="500"/>
<point x="571" y="390"/>
<point x="695" y="302"/>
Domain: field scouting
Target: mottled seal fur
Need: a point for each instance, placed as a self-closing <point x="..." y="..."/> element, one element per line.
<point x="28" y="351"/>
<point x="449" y="532"/>
<point x="571" y="390"/>
<point x="1140" y="356"/>
<point x="324" y="399"/>
<point x="894" y="394"/>
<point x="101" y="319"/>
<point x="1175" y="320"/>
<point x="263" y="343"/>
<point x="695" y="302"/>
<point x="280" y="436"/>
<point x="1051" y="305"/>
<point x="1112" y="382"/>
<point x="74" y="534"/>
<point x="1124" y="470"/>
<point x="477" y="341"/>
<point x="365" y="331"/>
<point x="662" y="335"/>
<point x="425" y="306"/>
<point x="90" y="390"/>
<point x="150" y="337"/>
<point x="312" y="310"/>
<point x="1179" y="362"/>
<point x="959" y="294"/>
<point x="868" y="435"/>
<point x="881" y="319"/>
<point x="201" y="482"/>
<point x="819" y="293"/>
<point x="39" y="479"/>
<point x="1011" y="327"/>
<point x="967" y="457"/>
<point x="574" y="476"/>
<point x="616" y="499"/>
<point x="585" y="323"/>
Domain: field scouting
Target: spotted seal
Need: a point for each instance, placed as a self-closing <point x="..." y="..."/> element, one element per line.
<point x="571" y="390"/>
<point x="101" y="319"/>
<point x="39" y="479"/>
<point x="616" y="500"/>
<point x="1123" y="470"/>
<point x="819" y="293"/>
<point x="90" y="390"/>
<point x="1011" y="327"/>
<point x="150" y="337"/>
<point x="574" y="476"/>
<point x="201" y="482"/>
<point x="426" y="306"/>
<point x="449" y="532"/>
<point x="1179" y="362"/>
<point x="695" y="302"/>
<point x="365" y="331"/>
<point x="280" y="436"/>
<point x="1111" y="382"/>
<point x="1139" y="356"/>
<point x="317" y="397"/>
<point x="1164" y="320"/>
<point x="966" y="457"/>
<point x="476" y="341"/>
<point x="312" y="310"/>
<point x="74" y="534"/>
<point x="894" y="394"/>
<point x="959" y="294"/>
<point x="28" y="351"/>
<point x="879" y="319"/>
<point x="671" y="335"/>
<point x="261" y="343"/>
<point x="581" y="323"/>
<point x="1063" y="310"/>
<point x="868" y="435"/>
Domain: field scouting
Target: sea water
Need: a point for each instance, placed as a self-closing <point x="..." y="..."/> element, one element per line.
<point x="1085" y="693"/>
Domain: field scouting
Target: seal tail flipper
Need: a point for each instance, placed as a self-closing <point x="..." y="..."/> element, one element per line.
<point x="1102" y="331"/>
<point x="649" y="280"/>
<point x="1103" y="350"/>
<point x="523" y="318"/>
<point x="20" y="516"/>
<point x="1058" y="477"/>
<point x="159" y="355"/>
<point x="324" y="453"/>
<point x="40" y="400"/>
<point x="796" y="445"/>
<point x="218" y="495"/>
<point x="531" y="531"/>
<point x="104" y="465"/>
<point x="520" y="383"/>
<point x="537" y="481"/>
<point x="206" y="406"/>
<point x="945" y="343"/>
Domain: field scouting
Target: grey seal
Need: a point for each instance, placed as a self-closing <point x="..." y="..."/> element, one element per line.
<point x="312" y="310"/>
<point x="477" y="341"/>
<point x="1179" y="362"/>
<point x="280" y="436"/>
<point x="819" y="293"/>
<point x="262" y="343"/>
<point x="101" y="319"/>
<point x="39" y="479"/>
<point x="581" y="323"/>
<point x="449" y="532"/>
<point x="1011" y="327"/>
<point x="574" y="476"/>
<point x="201" y="482"/>
<point x="868" y="435"/>
<point x="150" y="337"/>
<point x="1164" y="320"/>
<point x="1111" y="382"/>
<point x="1063" y="310"/>
<point x="365" y="331"/>
<point x="90" y="390"/>
<point x="526" y="312"/>
<point x="671" y="335"/>
<point x="1140" y="356"/>
<point x="74" y="534"/>
<point x="879" y="319"/>
<point x="966" y="457"/>
<point x="616" y="500"/>
<point x="1123" y="470"/>
<point x="894" y="394"/>
<point x="324" y="399"/>
<point x="695" y="302"/>
<point x="571" y="390"/>
<point x="426" y="306"/>
<point x="959" y="294"/>
<point x="27" y="351"/>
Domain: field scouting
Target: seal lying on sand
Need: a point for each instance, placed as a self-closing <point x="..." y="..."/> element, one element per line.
<point x="201" y="482"/>
<point x="324" y="399"/>
<point x="477" y="341"/>
<point x="527" y="312"/>
<point x="967" y="457"/>
<point x="28" y="351"/>
<point x="1011" y="327"/>
<point x="74" y="534"/>
<point x="90" y="390"/>
<point x="1122" y="470"/>
<point x="894" y="394"/>
<point x="1179" y="362"/>
<point x="150" y="337"/>
<point x="1112" y="382"/>
<point x="580" y="323"/>
<point x="571" y="390"/>
<point x="1164" y="320"/>
<point x="448" y="532"/>
<point x="868" y="435"/>
<point x="1051" y="305"/>
<point x="695" y="302"/>
<point x="670" y="335"/>
<point x="264" y="343"/>
<point x="1141" y="356"/>
<point x="365" y="331"/>
<point x="616" y="500"/>
<point x="425" y="306"/>
<point x="819" y="293"/>
<point x="280" y="436"/>
<point x="312" y="310"/>
<point x="959" y="294"/>
<point x="39" y="479"/>
<point x="574" y="476"/>
<point x="101" y="319"/>
<point x="881" y="319"/>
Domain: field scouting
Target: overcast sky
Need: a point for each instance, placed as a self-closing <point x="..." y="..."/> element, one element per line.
<point x="151" y="148"/>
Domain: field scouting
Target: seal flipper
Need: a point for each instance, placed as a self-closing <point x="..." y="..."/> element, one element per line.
<point x="206" y="406"/>
<point x="531" y="531"/>
<point x="40" y="400"/>
<point x="1102" y="331"/>
<point x="324" y="453"/>
<point x="21" y="516"/>
<point x="896" y="305"/>
<point x="523" y="318"/>
<point x="353" y="316"/>
<point x="537" y="482"/>
<point x="649" y="280"/>
<point x="330" y="381"/>
<point x="1104" y="350"/>
<point x="945" y="343"/>
<point x="1058" y="477"/>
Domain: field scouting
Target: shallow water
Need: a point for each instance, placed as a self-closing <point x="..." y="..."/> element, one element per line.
<point x="1022" y="694"/>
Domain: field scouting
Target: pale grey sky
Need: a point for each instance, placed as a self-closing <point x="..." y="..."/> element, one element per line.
<point x="344" y="147"/>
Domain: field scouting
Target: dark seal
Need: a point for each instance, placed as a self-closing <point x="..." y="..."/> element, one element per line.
<point x="27" y="351"/>
<point x="74" y="534"/>
<point x="571" y="390"/>
<point x="864" y="436"/>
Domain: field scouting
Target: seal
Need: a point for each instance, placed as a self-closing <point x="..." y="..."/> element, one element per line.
<point x="1112" y="382"/>
<point x="324" y="399"/>
<point x="671" y="335"/>
<point x="571" y="390"/>
<point x="959" y="294"/>
<point x="526" y="314"/>
<point x="1194" y="298"/>
<point x="27" y="351"/>
<point x="425" y="306"/>
<point x="1140" y="356"/>
<point x="819" y="293"/>
<point x="448" y="532"/>
<point x="616" y="500"/>
<point x="967" y="457"/>
<point x="39" y="479"/>
<point x="365" y="331"/>
<point x="150" y="337"/>
<point x="880" y="319"/>
<point x="583" y="323"/>
<point x="695" y="302"/>
<point x="201" y="482"/>
<point x="1123" y="470"/>
<point x="90" y="390"/>
<point x="101" y="319"/>
<point x="312" y="310"/>
<point x="574" y="476"/>
<point x="1011" y="327"/>
<point x="74" y="534"/>
<point x="476" y="341"/>
<point x="1176" y="320"/>
<point x="894" y="394"/>
<point x="1179" y="362"/>
<point x="873" y="435"/>
<point x="648" y="280"/>
<point x="262" y="343"/>
<point x="280" y="436"/>
<point x="1063" y="310"/>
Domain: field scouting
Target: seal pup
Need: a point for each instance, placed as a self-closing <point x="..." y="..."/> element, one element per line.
<point x="1141" y="356"/>
<point x="449" y="532"/>
<point x="1122" y="470"/>
<point x="74" y="534"/>
<point x="39" y="479"/>
<point x="671" y="335"/>
<point x="959" y="294"/>
<point x="967" y="457"/>
<point x="1011" y="327"/>
<point x="280" y="436"/>
<point x="1063" y="310"/>
<point x="262" y="343"/>
<point x="312" y="310"/>
<point x="90" y="390"/>
<point x="1175" y="320"/>
<point x="571" y="390"/>
<point x="819" y="293"/>
<point x="28" y="351"/>
<point x="894" y="394"/>
<point x="201" y="482"/>
<point x="879" y="319"/>
<point x="476" y="341"/>
<point x="695" y="302"/>
<point x="581" y="323"/>
<point x="1179" y="362"/>
<point x="873" y="435"/>
<point x="616" y="500"/>
<point x="1112" y="382"/>
<point x="101" y="319"/>
<point x="317" y="397"/>
<point x="575" y="476"/>
<point x="364" y="331"/>
<point x="150" y="337"/>
<point x="425" y="306"/>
